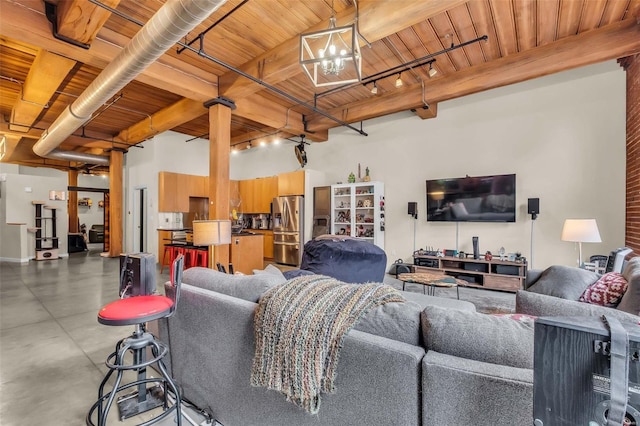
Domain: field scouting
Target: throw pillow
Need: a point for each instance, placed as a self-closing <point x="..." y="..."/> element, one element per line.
<point x="247" y="287"/>
<point x="270" y="270"/>
<point x="607" y="291"/>
<point x="564" y="281"/>
<point x="481" y="337"/>
<point x="630" y="302"/>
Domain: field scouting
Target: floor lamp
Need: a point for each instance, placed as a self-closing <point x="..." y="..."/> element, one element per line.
<point x="580" y="231"/>
<point x="211" y="233"/>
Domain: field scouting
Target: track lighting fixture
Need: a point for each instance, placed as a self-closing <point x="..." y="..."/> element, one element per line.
<point x="374" y="89"/>
<point x="249" y="146"/>
<point x="399" y="80"/>
<point x="432" y="71"/>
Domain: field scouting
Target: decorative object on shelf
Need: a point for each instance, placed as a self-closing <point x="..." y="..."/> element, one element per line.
<point x="488" y="256"/>
<point x="501" y="253"/>
<point x="367" y="178"/>
<point x="366" y="203"/>
<point x="85" y="202"/>
<point x="352" y="178"/>
<point x="331" y="56"/>
<point x="580" y="231"/>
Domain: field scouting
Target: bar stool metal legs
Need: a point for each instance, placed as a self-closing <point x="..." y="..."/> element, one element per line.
<point x="142" y="399"/>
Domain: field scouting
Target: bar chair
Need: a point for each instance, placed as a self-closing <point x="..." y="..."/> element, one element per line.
<point x="139" y="310"/>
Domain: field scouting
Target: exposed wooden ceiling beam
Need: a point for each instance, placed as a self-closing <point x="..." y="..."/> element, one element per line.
<point x="22" y="22"/>
<point x="610" y="42"/>
<point x="426" y="113"/>
<point x="281" y="63"/>
<point x="46" y="74"/>
<point x="80" y="20"/>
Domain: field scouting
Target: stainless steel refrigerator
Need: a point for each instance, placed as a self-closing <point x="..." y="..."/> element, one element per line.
<point x="288" y="229"/>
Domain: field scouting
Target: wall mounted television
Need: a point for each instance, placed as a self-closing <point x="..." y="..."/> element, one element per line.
<point x="472" y="199"/>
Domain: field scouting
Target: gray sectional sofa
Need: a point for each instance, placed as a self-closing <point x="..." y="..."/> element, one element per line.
<point x="428" y="361"/>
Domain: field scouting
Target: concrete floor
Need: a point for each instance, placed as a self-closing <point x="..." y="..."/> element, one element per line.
<point x="52" y="349"/>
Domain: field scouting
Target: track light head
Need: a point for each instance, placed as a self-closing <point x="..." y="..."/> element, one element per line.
<point x="374" y="89"/>
<point x="432" y="71"/>
<point x="399" y="80"/>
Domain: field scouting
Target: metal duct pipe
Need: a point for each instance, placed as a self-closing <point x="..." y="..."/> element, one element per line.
<point x="170" y="23"/>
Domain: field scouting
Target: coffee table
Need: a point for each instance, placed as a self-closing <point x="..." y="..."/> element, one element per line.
<point x="432" y="281"/>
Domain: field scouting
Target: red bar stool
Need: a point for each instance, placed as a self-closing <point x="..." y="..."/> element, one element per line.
<point x="189" y="257"/>
<point x="171" y="250"/>
<point x="202" y="257"/>
<point x="139" y="310"/>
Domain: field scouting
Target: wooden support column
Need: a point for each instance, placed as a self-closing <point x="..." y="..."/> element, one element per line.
<point x="219" y="150"/>
<point x="113" y="232"/>
<point x="72" y="197"/>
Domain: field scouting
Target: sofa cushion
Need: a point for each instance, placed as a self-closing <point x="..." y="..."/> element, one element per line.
<point x="564" y="281"/>
<point x="630" y="302"/>
<point x="542" y="305"/>
<point x="247" y="287"/>
<point x="472" y="335"/>
<point x="396" y="321"/>
<point x="607" y="291"/>
<point x="270" y="270"/>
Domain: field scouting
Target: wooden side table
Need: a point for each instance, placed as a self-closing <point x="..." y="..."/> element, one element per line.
<point x="432" y="281"/>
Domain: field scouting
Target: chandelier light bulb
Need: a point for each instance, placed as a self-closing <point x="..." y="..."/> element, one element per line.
<point x="343" y="52"/>
<point x="332" y="50"/>
<point x="321" y="53"/>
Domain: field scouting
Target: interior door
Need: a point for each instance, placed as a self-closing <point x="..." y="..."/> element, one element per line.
<point x="139" y="220"/>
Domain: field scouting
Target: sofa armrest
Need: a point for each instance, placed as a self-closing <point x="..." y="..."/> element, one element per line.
<point x="541" y="305"/>
<point x="212" y="348"/>
<point x="459" y="391"/>
<point x="532" y="277"/>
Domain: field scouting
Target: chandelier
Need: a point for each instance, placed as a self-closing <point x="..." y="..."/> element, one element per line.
<point x="331" y="56"/>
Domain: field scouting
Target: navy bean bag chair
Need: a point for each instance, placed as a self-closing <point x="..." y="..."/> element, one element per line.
<point x="344" y="258"/>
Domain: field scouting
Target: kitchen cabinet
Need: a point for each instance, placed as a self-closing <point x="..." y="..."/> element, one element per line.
<point x="268" y="242"/>
<point x="174" y="190"/>
<point x="172" y="196"/>
<point x="164" y="238"/>
<point x="257" y="194"/>
<point x="246" y="253"/>
<point x="291" y="183"/>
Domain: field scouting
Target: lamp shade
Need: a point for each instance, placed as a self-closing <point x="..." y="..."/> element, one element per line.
<point x="211" y="232"/>
<point x="581" y="231"/>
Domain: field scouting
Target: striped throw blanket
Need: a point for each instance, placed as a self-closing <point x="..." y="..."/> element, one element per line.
<point x="299" y="329"/>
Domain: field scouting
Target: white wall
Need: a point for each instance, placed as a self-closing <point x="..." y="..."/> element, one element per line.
<point x="563" y="136"/>
<point x="168" y="152"/>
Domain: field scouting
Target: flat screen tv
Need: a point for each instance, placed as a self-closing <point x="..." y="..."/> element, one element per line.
<point x="472" y="199"/>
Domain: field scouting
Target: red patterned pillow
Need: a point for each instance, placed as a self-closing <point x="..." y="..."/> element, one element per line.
<point x="607" y="291"/>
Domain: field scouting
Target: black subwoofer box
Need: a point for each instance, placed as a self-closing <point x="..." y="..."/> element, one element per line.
<point x="137" y="274"/>
<point x="571" y="384"/>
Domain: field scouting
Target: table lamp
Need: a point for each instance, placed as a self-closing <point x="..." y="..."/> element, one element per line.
<point x="211" y="233"/>
<point x="580" y="231"/>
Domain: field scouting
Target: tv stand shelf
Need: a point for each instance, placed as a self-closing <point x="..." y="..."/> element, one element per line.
<point x="490" y="274"/>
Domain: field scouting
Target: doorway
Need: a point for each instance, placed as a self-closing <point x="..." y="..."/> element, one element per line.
<point x="139" y="219"/>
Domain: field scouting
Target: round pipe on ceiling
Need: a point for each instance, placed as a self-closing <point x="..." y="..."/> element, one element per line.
<point x="166" y="27"/>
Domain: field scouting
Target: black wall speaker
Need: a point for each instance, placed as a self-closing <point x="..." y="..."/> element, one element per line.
<point x="137" y="274"/>
<point x="533" y="207"/>
<point x="412" y="209"/>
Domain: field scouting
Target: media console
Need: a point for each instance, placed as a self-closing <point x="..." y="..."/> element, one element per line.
<point x="491" y="274"/>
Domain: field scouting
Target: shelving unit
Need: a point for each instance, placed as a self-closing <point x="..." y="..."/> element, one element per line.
<point x="357" y="210"/>
<point x="492" y="274"/>
<point x="45" y="230"/>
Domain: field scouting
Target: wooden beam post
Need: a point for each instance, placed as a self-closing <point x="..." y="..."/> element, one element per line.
<point x="73" y="202"/>
<point x="114" y="230"/>
<point x="219" y="150"/>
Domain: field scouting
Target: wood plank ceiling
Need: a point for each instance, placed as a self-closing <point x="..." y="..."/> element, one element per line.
<point x="525" y="39"/>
